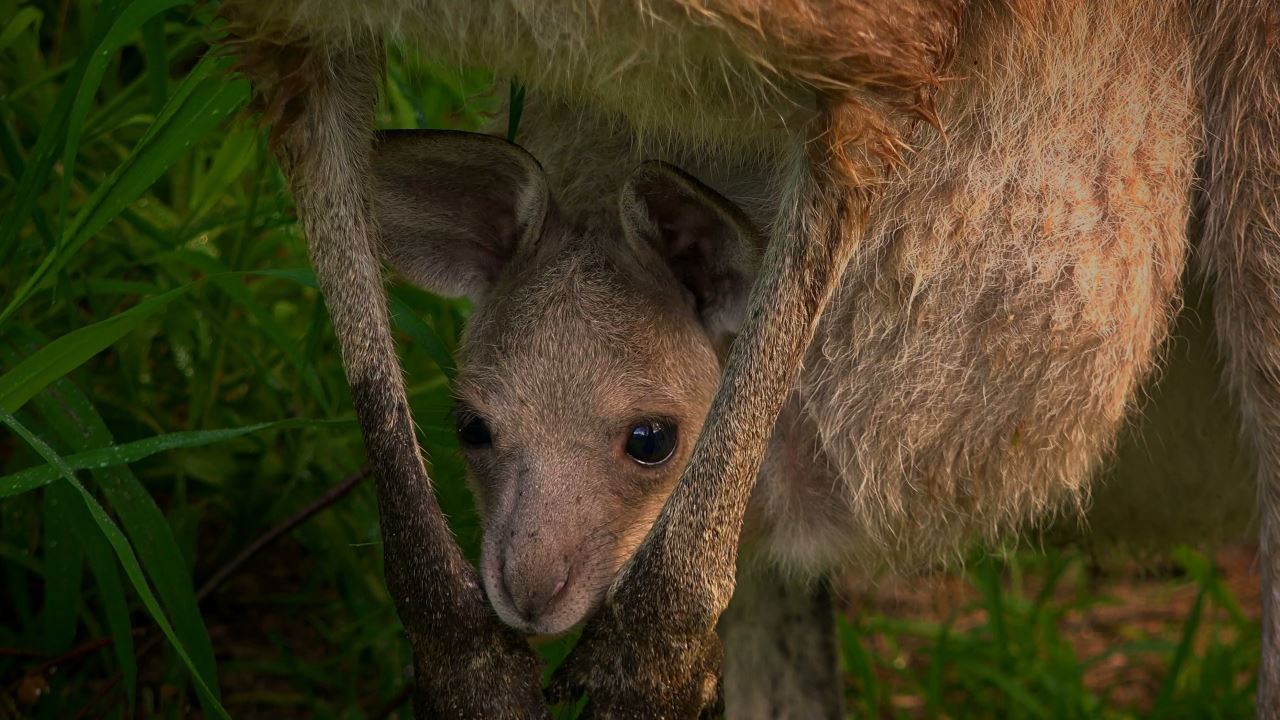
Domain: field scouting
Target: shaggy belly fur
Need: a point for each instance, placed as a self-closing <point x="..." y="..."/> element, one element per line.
<point x="1013" y="293"/>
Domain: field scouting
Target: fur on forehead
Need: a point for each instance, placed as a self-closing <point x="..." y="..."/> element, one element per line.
<point x="584" y="273"/>
<point x="584" y="297"/>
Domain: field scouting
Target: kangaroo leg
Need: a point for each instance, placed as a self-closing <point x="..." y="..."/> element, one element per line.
<point x="780" y="649"/>
<point x="1239" y="66"/>
<point x="466" y="664"/>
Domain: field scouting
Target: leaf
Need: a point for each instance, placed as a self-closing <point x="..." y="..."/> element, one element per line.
<point x="114" y="605"/>
<point x="40" y="162"/>
<point x="156" y="48"/>
<point x="515" y="109"/>
<point x="987" y="577"/>
<point x="420" y="333"/>
<point x="125" y="24"/>
<point x="13" y="158"/>
<point x="857" y="662"/>
<point x="71" y="350"/>
<point x="63" y="565"/>
<point x="1186" y="646"/>
<point x="22" y="19"/>
<point x="66" y="546"/>
<point x="302" y="276"/>
<point x="232" y="284"/>
<point x="197" y="106"/>
<point x="933" y="686"/>
<point x="79" y="425"/>
<point x="235" y="152"/>
<point x="115" y="455"/>
<point x="401" y="314"/>
<point x="1009" y="687"/>
<point x="124" y="553"/>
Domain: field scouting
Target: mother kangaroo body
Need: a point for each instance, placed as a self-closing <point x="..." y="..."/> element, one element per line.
<point x="994" y="193"/>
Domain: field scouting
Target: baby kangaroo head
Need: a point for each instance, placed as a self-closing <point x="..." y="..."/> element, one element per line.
<point x="591" y="356"/>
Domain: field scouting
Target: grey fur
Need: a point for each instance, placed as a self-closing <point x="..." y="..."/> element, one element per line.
<point x="781" y="661"/>
<point x="1008" y="286"/>
<point x="428" y="187"/>
<point x="432" y="584"/>
<point x="1239" y="75"/>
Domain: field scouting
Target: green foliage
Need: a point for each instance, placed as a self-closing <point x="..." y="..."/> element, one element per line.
<point x="170" y="389"/>
<point x="1012" y="658"/>
<point x="169" y="383"/>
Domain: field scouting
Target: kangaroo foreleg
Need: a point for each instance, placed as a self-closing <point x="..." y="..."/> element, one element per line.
<point x="466" y="663"/>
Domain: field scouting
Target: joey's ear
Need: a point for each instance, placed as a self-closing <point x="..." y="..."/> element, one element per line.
<point x="706" y="241"/>
<point x="453" y="208"/>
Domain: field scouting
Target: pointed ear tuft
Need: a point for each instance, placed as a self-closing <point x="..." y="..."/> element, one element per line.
<point x="707" y="242"/>
<point x="453" y="208"/>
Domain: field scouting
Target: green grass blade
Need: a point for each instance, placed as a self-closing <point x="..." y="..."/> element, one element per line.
<point x="302" y="276"/>
<point x="1202" y="570"/>
<point x="156" y="48"/>
<point x="63" y="565"/>
<point x="24" y="18"/>
<point x="71" y="350"/>
<point x="857" y="662"/>
<point x="1168" y="689"/>
<point x="78" y="424"/>
<point x="123" y="454"/>
<point x="13" y="159"/>
<point x="52" y="137"/>
<point x="420" y="333"/>
<point x="515" y="109"/>
<point x="235" y="153"/>
<point x="203" y="100"/>
<point x="232" y="284"/>
<point x="987" y="574"/>
<point x="123" y="552"/>
<point x="933" y="683"/>
<point x="67" y="545"/>
<point x="124" y="26"/>
<point x="110" y="591"/>
<point x="402" y="315"/>
<point x="1018" y="695"/>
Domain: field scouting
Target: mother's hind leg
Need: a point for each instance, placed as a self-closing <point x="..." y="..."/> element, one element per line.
<point x="780" y="648"/>
<point x="1240" y="71"/>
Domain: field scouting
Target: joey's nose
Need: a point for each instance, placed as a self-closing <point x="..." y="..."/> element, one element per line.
<point x="534" y="590"/>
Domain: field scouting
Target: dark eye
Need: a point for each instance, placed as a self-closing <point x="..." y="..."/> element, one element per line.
<point x="651" y="442"/>
<point x="474" y="432"/>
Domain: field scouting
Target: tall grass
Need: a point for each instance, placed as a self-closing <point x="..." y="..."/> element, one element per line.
<point x="173" y="396"/>
<point x="171" y="389"/>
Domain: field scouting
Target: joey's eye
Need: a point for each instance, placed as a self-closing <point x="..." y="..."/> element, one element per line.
<point x="651" y="442"/>
<point x="474" y="432"/>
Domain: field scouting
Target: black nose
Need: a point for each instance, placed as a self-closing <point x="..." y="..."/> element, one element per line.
<point x="533" y="588"/>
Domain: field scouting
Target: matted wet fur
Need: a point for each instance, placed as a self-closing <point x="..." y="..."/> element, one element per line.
<point x="1008" y="182"/>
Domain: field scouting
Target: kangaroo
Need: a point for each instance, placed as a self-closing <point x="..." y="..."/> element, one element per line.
<point x="592" y="357"/>
<point x="994" y="194"/>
